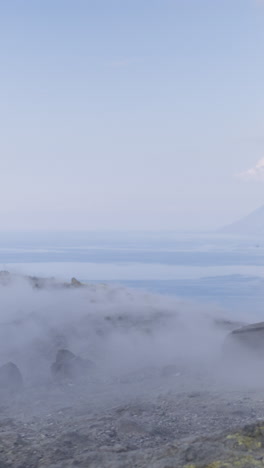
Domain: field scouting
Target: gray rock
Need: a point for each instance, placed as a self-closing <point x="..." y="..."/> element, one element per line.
<point x="246" y="341"/>
<point x="68" y="366"/>
<point x="75" y="283"/>
<point x="11" y="380"/>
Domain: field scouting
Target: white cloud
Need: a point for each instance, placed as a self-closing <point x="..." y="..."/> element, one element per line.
<point x="254" y="173"/>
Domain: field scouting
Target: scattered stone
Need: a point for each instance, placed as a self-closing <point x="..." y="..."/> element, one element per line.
<point x="128" y="426"/>
<point x="118" y="448"/>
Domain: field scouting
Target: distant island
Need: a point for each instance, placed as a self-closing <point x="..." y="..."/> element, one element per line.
<point x="252" y="224"/>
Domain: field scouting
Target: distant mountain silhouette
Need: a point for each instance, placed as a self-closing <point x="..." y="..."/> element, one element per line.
<point x="252" y="224"/>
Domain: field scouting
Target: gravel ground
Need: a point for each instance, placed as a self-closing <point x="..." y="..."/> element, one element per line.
<point x="120" y="423"/>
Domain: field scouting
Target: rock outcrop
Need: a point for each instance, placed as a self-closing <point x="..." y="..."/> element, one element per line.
<point x="68" y="366"/>
<point x="76" y="283"/>
<point x="247" y="340"/>
<point x="11" y="380"/>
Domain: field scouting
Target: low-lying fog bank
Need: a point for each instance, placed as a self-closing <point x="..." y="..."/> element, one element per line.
<point x="123" y="335"/>
<point x="105" y="376"/>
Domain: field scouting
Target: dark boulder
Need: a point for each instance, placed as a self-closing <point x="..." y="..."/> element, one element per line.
<point x="76" y="283"/>
<point x="246" y="341"/>
<point x="68" y="366"/>
<point x="11" y="380"/>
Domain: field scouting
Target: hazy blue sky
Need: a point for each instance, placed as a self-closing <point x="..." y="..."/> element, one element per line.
<point x="130" y="114"/>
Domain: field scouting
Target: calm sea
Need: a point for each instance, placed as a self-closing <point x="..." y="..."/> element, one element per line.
<point x="206" y="267"/>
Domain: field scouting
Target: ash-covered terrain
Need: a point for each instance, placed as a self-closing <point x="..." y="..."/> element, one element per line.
<point x="105" y="376"/>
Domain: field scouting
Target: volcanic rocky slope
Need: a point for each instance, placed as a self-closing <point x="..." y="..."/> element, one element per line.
<point x="70" y="398"/>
